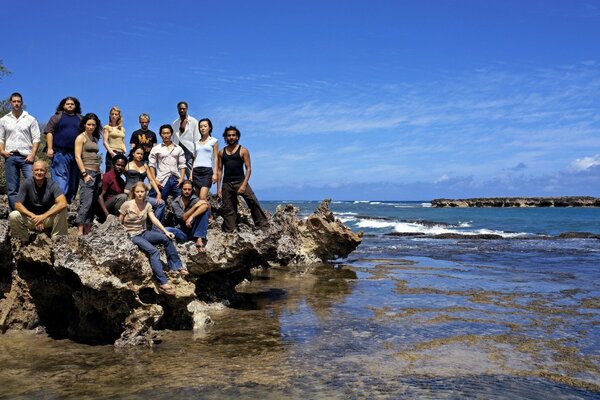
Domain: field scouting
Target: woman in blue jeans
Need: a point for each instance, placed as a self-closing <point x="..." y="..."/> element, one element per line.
<point x="133" y="215"/>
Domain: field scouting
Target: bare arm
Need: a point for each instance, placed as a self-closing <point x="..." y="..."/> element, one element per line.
<point x="196" y="210"/>
<point x="153" y="184"/>
<point x="245" y="154"/>
<point x="60" y="203"/>
<point x="215" y="158"/>
<point x="219" y="167"/>
<point x="50" y="144"/>
<point x="121" y="218"/>
<point x="109" y="150"/>
<point x="101" y="201"/>
<point x="78" y="151"/>
<point x="160" y="226"/>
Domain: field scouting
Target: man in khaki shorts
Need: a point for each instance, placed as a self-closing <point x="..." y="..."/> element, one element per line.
<point x="40" y="206"/>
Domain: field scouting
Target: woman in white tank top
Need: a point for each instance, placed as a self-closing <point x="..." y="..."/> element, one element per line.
<point x="204" y="173"/>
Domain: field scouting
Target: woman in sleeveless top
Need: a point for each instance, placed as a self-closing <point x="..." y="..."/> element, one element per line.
<point x="114" y="136"/>
<point x="137" y="171"/>
<point x="133" y="215"/>
<point x="204" y="173"/>
<point x="88" y="162"/>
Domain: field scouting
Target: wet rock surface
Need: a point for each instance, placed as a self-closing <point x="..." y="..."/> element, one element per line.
<point x="567" y="201"/>
<point x="99" y="289"/>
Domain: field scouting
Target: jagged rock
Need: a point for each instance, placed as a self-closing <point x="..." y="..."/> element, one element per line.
<point x="99" y="288"/>
<point x="567" y="201"/>
<point x="3" y="206"/>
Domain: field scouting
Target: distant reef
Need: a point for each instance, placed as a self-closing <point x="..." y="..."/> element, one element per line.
<point x="568" y="201"/>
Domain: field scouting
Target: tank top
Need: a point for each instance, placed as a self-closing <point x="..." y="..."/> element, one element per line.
<point x="89" y="152"/>
<point x="115" y="137"/>
<point x="134" y="177"/>
<point x="233" y="166"/>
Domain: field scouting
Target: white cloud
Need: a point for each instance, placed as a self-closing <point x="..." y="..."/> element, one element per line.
<point x="585" y="163"/>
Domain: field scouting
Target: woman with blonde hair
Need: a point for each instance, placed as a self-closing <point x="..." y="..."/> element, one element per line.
<point x="133" y="216"/>
<point x="114" y="136"/>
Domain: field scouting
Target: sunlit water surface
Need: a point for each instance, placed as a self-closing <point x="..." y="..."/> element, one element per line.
<point x="401" y="317"/>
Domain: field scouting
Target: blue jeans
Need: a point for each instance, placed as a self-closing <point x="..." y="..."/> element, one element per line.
<point x="65" y="174"/>
<point x="146" y="241"/>
<point x="158" y="209"/>
<point x="170" y="188"/>
<point x="198" y="230"/>
<point x="13" y="166"/>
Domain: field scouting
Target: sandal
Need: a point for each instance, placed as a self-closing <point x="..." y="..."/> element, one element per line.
<point x="182" y="271"/>
<point x="167" y="289"/>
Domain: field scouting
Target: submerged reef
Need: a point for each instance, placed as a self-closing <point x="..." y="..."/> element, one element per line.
<point x="99" y="288"/>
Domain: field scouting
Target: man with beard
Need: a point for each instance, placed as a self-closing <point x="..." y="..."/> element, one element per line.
<point x="61" y="132"/>
<point x="233" y="159"/>
<point x="113" y="186"/>
<point x="186" y="135"/>
<point x="191" y="216"/>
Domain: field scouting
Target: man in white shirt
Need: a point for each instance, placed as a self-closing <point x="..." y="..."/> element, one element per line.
<point x="186" y="135"/>
<point x="19" y="141"/>
<point x="167" y="163"/>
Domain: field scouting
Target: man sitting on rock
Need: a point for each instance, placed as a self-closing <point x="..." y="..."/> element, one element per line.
<point x="191" y="216"/>
<point x="40" y="206"/>
<point x="113" y="189"/>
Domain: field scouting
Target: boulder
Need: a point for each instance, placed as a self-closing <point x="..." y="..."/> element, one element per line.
<point x="99" y="288"/>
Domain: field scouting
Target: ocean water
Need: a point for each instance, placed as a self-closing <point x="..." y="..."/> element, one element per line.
<point x="401" y="317"/>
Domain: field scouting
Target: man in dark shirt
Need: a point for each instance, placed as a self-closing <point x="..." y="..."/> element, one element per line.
<point x="232" y="161"/>
<point x="143" y="137"/>
<point x="113" y="187"/>
<point x="191" y="216"/>
<point x="40" y="206"/>
<point x="61" y="132"/>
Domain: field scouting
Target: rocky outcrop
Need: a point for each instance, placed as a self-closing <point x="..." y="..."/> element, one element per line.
<point x="99" y="289"/>
<point x="570" y="201"/>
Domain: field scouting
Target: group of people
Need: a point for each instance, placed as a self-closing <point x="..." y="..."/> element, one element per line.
<point x="183" y="167"/>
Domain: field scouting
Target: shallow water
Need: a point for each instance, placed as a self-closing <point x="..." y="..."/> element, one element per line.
<point x="401" y="317"/>
<point x="367" y="328"/>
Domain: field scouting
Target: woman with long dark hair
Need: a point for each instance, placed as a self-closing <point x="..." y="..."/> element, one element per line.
<point x="204" y="173"/>
<point x="136" y="171"/>
<point x="88" y="162"/>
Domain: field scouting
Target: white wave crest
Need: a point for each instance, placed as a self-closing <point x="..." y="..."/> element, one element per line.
<point x="415" y="227"/>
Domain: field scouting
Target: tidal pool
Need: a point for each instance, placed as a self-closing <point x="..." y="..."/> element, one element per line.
<point x="368" y="328"/>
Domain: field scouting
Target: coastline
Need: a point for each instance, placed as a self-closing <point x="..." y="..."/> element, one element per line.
<point x="563" y="201"/>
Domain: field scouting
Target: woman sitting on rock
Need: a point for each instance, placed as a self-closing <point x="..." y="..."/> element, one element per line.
<point x="133" y="215"/>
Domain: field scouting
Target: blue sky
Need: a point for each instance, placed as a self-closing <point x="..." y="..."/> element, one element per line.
<point x="370" y="100"/>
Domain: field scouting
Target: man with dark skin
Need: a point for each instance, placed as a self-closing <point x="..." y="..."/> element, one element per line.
<point x="40" y="206"/>
<point x="112" y="195"/>
<point x="232" y="161"/>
